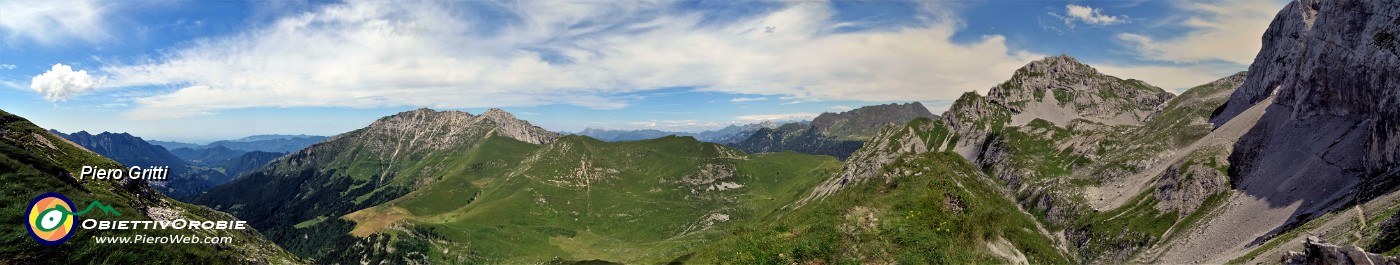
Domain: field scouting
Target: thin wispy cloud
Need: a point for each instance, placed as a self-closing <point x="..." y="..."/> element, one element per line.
<point x="1218" y="31"/>
<point x="53" y="22"/>
<point x="748" y="99"/>
<point x="777" y="117"/>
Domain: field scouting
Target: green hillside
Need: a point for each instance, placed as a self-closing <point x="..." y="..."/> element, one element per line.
<point x="33" y="161"/>
<point x="492" y="198"/>
<point x="583" y="199"/>
<point x="930" y="208"/>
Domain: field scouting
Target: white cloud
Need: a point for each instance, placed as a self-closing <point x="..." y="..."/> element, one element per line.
<point x="841" y="108"/>
<point x="61" y="83"/>
<point x="777" y="117"/>
<point x="1218" y="31"/>
<point x="373" y="53"/>
<point x="7" y="66"/>
<point x="748" y="99"/>
<point x="1091" y="15"/>
<point x="50" y="22"/>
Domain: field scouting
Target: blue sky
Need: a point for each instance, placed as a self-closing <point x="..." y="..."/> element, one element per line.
<point x="207" y="70"/>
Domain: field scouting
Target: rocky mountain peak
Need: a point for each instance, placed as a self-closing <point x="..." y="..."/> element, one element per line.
<point x="1057" y="65"/>
<point x="1060" y="89"/>
<point x="446" y="127"/>
<point x="512" y="127"/>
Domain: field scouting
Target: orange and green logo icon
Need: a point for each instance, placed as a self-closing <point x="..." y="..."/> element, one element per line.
<point x="50" y="217"/>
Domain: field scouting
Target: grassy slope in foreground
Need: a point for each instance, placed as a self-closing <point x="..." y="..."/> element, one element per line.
<point x="33" y="161"/>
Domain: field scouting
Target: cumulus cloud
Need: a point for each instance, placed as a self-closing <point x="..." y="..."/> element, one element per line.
<point x="61" y="83"/>
<point x="375" y="53"/>
<point x="50" y="22"/>
<point x="777" y="117"/>
<point x="748" y="99"/>
<point x="1218" y="31"/>
<point x="1090" y="15"/>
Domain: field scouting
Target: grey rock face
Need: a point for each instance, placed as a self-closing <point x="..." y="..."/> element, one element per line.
<point x="432" y="129"/>
<point x="1057" y="89"/>
<point x="521" y="130"/>
<point x="1329" y="60"/>
<point x="1064" y="85"/>
<point x="1187" y="184"/>
<point x="1317" y="251"/>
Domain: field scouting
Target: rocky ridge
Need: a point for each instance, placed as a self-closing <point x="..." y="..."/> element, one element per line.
<point x="919" y="136"/>
<point x="833" y="134"/>
<point x="864" y="122"/>
<point x="1060" y="89"/>
<point x="1317" y="251"/>
<point x="183" y="179"/>
<point x="1117" y="162"/>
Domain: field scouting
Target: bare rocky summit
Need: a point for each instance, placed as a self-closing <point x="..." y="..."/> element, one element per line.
<point x="1060" y="89"/>
<point x="1057" y="89"/>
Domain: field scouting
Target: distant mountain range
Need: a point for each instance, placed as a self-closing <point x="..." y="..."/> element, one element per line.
<point x="184" y="180"/>
<point x="727" y="135"/>
<point x="191" y="171"/>
<point x="833" y="134"/>
<point x="207" y="156"/>
<point x="276" y="143"/>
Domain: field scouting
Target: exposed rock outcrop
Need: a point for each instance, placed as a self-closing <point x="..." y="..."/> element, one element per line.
<point x="434" y="130"/>
<point x="509" y="126"/>
<point x="917" y="137"/>
<point x="1317" y="251"/>
<point x="1332" y="62"/>
<point x="1324" y="91"/>
<point x="1056" y="89"/>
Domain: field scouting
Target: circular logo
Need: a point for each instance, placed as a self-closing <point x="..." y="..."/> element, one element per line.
<point x="48" y="218"/>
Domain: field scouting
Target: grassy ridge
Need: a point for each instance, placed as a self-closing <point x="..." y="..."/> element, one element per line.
<point x="938" y="209"/>
<point x="34" y="161"/>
